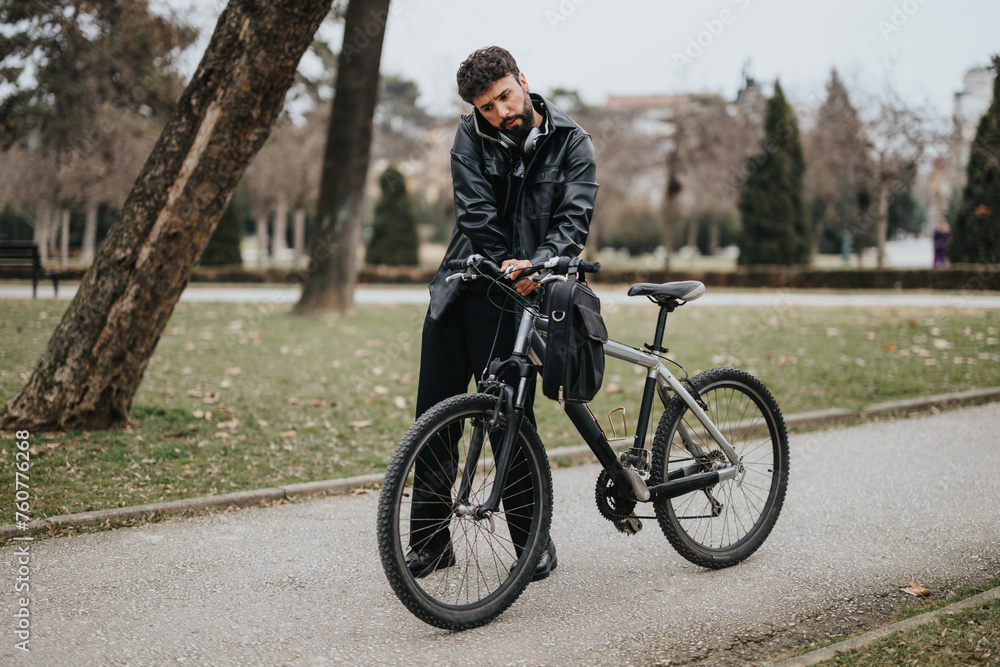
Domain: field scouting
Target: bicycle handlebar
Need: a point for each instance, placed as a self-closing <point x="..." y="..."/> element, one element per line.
<point x="560" y="265"/>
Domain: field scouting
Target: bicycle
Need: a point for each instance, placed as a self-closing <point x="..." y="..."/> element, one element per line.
<point x="716" y="472"/>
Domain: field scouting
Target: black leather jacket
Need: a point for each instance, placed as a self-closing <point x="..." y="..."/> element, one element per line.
<point x="501" y="215"/>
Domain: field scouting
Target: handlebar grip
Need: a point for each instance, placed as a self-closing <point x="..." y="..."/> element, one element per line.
<point x="455" y="264"/>
<point x="590" y="267"/>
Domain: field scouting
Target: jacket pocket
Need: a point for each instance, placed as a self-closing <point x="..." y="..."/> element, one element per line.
<point x="545" y="190"/>
<point x="552" y="174"/>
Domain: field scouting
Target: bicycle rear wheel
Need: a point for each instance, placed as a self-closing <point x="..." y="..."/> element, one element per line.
<point x="491" y="560"/>
<point x="725" y="523"/>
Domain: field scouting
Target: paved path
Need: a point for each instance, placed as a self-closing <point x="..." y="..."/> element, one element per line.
<point x="714" y="296"/>
<point x="868" y="509"/>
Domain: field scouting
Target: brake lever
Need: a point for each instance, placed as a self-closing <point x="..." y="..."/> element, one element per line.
<point x="465" y="277"/>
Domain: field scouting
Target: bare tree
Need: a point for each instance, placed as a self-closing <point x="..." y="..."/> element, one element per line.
<point x="333" y="271"/>
<point x="708" y="144"/>
<point x="900" y="134"/>
<point x="97" y="355"/>
<point x="284" y="176"/>
<point x="839" y="172"/>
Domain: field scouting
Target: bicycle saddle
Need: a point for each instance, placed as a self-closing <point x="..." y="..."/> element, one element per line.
<point x="683" y="290"/>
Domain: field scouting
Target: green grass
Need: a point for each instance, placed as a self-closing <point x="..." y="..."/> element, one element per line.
<point x="241" y="397"/>
<point x="966" y="637"/>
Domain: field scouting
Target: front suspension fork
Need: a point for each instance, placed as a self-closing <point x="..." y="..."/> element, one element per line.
<point x="503" y="455"/>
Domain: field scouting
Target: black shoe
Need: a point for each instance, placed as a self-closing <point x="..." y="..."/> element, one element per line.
<point x="423" y="563"/>
<point x="547" y="563"/>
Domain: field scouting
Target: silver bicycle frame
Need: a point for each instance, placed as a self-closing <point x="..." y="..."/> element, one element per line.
<point x="658" y="372"/>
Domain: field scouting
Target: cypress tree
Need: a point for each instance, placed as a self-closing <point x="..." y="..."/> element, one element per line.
<point x="394" y="232"/>
<point x="776" y="227"/>
<point x="976" y="233"/>
<point x="223" y="247"/>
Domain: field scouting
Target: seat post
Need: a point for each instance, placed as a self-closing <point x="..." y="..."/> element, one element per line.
<point x="635" y="456"/>
<point x="661" y="325"/>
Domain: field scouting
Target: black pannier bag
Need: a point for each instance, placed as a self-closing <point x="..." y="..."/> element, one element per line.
<point x="574" y="346"/>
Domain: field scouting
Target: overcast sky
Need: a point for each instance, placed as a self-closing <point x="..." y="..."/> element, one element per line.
<point x="638" y="47"/>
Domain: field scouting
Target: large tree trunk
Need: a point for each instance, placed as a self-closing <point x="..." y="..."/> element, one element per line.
<point x="96" y="358"/>
<point x="333" y="252"/>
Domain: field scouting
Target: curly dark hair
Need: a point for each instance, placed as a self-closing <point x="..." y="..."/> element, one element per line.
<point x="482" y="69"/>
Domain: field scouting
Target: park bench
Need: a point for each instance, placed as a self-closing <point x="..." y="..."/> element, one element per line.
<point x="20" y="259"/>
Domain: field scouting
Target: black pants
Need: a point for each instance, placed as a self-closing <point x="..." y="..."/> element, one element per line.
<point x="456" y="348"/>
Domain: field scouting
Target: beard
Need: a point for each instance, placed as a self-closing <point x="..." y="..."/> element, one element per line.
<point x="527" y="115"/>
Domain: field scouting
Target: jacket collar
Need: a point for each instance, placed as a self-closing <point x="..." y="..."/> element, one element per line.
<point x="554" y="117"/>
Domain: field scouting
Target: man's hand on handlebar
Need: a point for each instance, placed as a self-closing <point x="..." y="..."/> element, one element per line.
<point x="524" y="287"/>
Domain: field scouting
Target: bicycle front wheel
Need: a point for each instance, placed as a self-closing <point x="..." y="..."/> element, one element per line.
<point x="725" y="523"/>
<point x="468" y="570"/>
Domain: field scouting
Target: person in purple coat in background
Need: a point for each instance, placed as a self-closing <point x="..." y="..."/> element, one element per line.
<point x="941" y="235"/>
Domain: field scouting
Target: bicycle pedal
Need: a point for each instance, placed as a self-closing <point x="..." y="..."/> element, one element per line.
<point x="630" y="525"/>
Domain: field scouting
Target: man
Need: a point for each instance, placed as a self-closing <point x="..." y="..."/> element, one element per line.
<point x="523" y="175"/>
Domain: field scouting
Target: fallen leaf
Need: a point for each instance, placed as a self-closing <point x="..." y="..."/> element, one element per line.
<point x="399" y="402"/>
<point x="889" y="347"/>
<point x="190" y="346"/>
<point x="291" y="400"/>
<point x="223" y="434"/>
<point x="916" y="589"/>
<point x="380" y="390"/>
<point x="234" y="371"/>
<point x="262" y="423"/>
<point x="226" y="384"/>
<point x="233" y="423"/>
<point x="361" y="424"/>
<point x="317" y="404"/>
<point x="195" y="392"/>
<point x="288" y="434"/>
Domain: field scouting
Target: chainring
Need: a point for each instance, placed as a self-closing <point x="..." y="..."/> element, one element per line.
<point x="610" y="503"/>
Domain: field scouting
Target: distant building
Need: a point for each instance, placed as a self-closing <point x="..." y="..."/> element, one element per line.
<point x="970" y="104"/>
<point x="750" y="100"/>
